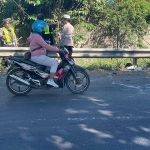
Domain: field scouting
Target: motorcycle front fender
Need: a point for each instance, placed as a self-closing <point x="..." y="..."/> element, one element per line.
<point x="77" y="68"/>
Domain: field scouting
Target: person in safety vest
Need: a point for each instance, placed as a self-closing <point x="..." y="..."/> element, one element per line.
<point x="47" y="34"/>
<point x="7" y="37"/>
<point x="67" y="34"/>
<point x="7" y="34"/>
<point x="48" y="37"/>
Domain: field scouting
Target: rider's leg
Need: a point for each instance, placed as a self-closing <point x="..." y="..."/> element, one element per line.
<point x="54" y="65"/>
<point x="51" y="76"/>
<point x="51" y="80"/>
<point x="47" y="61"/>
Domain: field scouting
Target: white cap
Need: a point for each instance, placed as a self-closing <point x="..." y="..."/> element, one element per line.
<point x="66" y="16"/>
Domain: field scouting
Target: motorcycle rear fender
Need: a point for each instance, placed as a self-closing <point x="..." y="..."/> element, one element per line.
<point x="11" y="68"/>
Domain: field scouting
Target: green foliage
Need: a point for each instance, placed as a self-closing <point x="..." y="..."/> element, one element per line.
<point x="102" y="63"/>
<point x="77" y="39"/>
<point x="110" y="64"/>
<point x="127" y="20"/>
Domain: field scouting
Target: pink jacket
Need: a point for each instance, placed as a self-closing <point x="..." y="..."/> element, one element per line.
<point x="36" y="41"/>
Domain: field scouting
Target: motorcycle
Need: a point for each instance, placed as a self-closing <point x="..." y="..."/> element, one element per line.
<point x="25" y="75"/>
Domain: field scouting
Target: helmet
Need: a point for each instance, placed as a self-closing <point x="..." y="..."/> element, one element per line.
<point x="66" y="17"/>
<point x="7" y="20"/>
<point x="39" y="25"/>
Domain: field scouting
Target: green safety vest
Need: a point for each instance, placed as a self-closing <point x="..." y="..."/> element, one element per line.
<point x="8" y="38"/>
<point x="46" y="30"/>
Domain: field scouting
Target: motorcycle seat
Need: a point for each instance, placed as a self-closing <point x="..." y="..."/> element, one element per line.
<point x="29" y="62"/>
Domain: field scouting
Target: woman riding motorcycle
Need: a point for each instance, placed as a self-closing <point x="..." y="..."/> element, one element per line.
<point x="39" y="56"/>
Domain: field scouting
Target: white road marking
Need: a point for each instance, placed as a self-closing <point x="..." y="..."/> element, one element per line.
<point x="146" y="86"/>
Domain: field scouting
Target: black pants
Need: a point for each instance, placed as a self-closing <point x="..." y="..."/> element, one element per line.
<point x="70" y="49"/>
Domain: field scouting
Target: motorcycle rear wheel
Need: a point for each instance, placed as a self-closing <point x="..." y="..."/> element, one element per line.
<point x="16" y="87"/>
<point x="82" y="84"/>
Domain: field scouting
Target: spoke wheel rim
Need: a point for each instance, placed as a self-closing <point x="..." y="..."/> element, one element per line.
<point x="82" y="85"/>
<point x="16" y="86"/>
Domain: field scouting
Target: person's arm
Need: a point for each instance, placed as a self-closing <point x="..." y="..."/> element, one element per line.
<point x="63" y="34"/>
<point x="73" y="34"/>
<point x="1" y="33"/>
<point x="15" y="40"/>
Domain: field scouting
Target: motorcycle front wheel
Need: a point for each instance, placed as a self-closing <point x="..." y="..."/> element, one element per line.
<point x="79" y="86"/>
<point x="15" y="86"/>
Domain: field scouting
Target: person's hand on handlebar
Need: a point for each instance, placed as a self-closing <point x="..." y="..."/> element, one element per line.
<point x="60" y="50"/>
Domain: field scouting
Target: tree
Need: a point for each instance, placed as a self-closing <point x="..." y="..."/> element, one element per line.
<point x="123" y="19"/>
<point x="126" y="19"/>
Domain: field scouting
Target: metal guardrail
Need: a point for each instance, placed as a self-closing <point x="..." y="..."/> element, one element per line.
<point x="85" y="53"/>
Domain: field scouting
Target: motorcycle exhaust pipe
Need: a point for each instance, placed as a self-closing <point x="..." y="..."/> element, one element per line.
<point x="20" y="80"/>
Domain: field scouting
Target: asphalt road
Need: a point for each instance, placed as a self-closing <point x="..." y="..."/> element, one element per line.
<point x="113" y="114"/>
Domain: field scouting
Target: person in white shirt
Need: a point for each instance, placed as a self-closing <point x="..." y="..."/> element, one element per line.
<point x="67" y="35"/>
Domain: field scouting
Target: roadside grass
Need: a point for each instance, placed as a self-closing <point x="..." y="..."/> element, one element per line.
<point x="106" y="63"/>
<point x="1" y="67"/>
<point x="110" y="63"/>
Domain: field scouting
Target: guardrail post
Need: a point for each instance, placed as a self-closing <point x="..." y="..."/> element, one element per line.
<point x="135" y="61"/>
